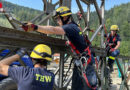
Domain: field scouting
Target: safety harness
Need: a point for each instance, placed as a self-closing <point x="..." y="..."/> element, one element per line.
<point x="83" y="59"/>
<point x="113" y="40"/>
<point x="108" y="46"/>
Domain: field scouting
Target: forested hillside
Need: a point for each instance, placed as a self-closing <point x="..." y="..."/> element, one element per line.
<point x="119" y="15"/>
<point x="19" y="12"/>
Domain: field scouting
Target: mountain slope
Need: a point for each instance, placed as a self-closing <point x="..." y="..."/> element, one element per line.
<point x="19" y="12"/>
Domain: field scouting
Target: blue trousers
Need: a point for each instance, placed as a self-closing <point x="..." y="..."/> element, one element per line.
<point x="113" y="54"/>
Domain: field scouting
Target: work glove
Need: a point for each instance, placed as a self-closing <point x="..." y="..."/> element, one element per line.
<point x="29" y="27"/>
<point x="21" y="52"/>
<point x="112" y="50"/>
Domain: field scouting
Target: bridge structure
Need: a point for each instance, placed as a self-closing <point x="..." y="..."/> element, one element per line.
<point x="16" y="38"/>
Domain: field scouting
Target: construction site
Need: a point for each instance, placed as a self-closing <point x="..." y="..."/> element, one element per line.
<point x="11" y="39"/>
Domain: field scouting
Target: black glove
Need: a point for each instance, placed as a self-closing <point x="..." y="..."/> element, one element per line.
<point x="21" y="52"/>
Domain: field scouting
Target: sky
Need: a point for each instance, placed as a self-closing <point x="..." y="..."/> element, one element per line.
<point x="38" y="4"/>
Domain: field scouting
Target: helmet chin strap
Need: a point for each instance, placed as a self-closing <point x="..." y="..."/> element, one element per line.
<point x="66" y="21"/>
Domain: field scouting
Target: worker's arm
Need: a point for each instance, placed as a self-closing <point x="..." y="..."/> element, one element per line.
<point x="4" y="64"/>
<point x="43" y="29"/>
<point x="51" y="30"/>
<point x="118" y="45"/>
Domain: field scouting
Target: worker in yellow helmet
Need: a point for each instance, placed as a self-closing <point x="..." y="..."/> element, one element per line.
<point x="112" y="45"/>
<point x="63" y="16"/>
<point x="37" y="78"/>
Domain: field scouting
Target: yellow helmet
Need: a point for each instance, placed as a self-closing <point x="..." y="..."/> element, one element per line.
<point x="114" y="27"/>
<point x="63" y="11"/>
<point x="41" y="51"/>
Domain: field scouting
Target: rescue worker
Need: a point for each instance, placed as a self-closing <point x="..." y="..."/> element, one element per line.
<point x="37" y="78"/>
<point x="112" y="45"/>
<point x="69" y="28"/>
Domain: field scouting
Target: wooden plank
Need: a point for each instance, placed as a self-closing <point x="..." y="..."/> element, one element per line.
<point x="15" y="38"/>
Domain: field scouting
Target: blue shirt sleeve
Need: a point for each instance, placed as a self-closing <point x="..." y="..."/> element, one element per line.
<point x="66" y="29"/>
<point x="70" y="30"/>
<point x="17" y="73"/>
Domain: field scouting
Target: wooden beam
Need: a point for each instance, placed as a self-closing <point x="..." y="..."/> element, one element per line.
<point x="15" y="38"/>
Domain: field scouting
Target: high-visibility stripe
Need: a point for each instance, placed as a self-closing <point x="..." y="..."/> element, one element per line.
<point x="80" y="33"/>
<point x="111" y="57"/>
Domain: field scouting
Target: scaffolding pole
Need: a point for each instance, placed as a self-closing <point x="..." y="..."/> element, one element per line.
<point x="61" y="71"/>
<point x="88" y="17"/>
<point x="102" y="31"/>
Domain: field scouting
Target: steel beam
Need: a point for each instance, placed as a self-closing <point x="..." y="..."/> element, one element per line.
<point x="7" y="15"/>
<point x="102" y="31"/>
<point x="88" y="17"/>
<point x="61" y="71"/>
<point x="81" y="9"/>
<point x="94" y="35"/>
<point x="57" y="3"/>
<point x="98" y="11"/>
<point x="122" y="74"/>
<point x="61" y="1"/>
<point x="85" y="1"/>
<point x="45" y="5"/>
<point x="66" y="3"/>
<point x="65" y="59"/>
<point x="48" y="8"/>
<point x="46" y="18"/>
<point x="68" y="80"/>
<point x="34" y="19"/>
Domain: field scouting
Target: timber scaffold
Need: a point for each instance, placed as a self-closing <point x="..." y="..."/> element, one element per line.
<point x="16" y="38"/>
